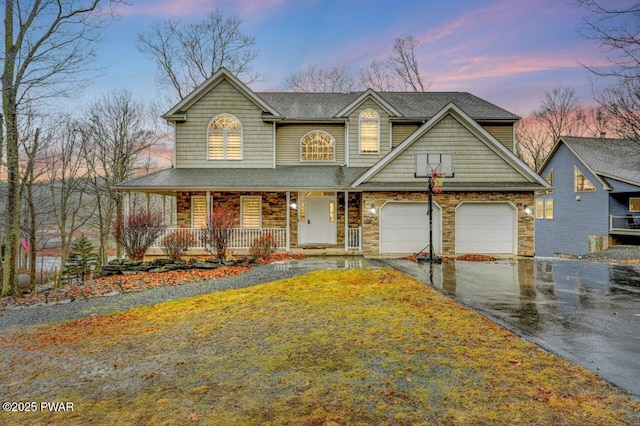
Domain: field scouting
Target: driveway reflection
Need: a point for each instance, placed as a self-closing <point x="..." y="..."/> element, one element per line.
<point x="586" y="312"/>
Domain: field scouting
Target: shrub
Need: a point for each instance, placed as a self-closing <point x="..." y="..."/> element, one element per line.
<point x="263" y="246"/>
<point x="176" y="243"/>
<point x="137" y="232"/>
<point x="218" y="231"/>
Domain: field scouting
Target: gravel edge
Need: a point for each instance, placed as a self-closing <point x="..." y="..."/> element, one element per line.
<point x="83" y="308"/>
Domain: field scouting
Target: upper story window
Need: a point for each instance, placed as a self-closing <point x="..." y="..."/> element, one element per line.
<point x="581" y="183"/>
<point x="317" y="146"/>
<point x="634" y="204"/>
<point x="225" y="138"/>
<point x="369" y="132"/>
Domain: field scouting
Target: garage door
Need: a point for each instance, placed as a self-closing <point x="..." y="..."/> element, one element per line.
<point x="404" y="227"/>
<point x="485" y="228"/>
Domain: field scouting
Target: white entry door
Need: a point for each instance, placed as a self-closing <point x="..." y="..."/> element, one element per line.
<point x="317" y="224"/>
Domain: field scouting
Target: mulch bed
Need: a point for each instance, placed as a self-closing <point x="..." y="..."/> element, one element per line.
<point x="134" y="282"/>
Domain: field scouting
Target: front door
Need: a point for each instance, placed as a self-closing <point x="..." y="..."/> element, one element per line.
<point x="317" y="224"/>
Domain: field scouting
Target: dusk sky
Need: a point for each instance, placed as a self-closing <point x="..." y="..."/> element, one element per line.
<point x="507" y="51"/>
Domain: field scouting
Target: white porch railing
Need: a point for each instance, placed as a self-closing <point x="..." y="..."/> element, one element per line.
<point x="625" y="224"/>
<point x="354" y="238"/>
<point x="241" y="238"/>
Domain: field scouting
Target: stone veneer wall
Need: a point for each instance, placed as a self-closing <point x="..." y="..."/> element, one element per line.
<point x="274" y="213"/>
<point x="448" y="202"/>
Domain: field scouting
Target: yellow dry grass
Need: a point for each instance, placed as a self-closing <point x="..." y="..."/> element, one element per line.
<point x="330" y="347"/>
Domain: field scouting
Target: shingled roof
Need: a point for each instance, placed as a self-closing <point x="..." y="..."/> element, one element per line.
<point x="418" y="105"/>
<point x="262" y="179"/>
<point x="614" y="158"/>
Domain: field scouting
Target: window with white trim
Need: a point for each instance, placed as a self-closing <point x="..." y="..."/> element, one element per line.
<point x="317" y="145"/>
<point x="581" y="183"/>
<point x="369" y="127"/>
<point x="198" y="211"/>
<point x="544" y="209"/>
<point x="250" y="212"/>
<point x="224" y="138"/>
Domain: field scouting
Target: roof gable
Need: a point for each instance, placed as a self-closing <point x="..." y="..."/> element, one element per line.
<point x="471" y="125"/>
<point x="375" y="97"/>
<point x="617" y="159"/>
<point x="178" y="111"/>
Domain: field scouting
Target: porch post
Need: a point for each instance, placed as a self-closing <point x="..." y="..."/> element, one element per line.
<point x="127" y="204"/>
<point x="288" y="232"/>
<point x="148" y="200"/>
<point x="164" y="209"/>
<point x="207" y="216"/>
<point x="346" y="220"/>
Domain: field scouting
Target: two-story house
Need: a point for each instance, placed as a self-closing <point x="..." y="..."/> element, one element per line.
<point x="346" y="171"/>
<point x="595" y="198"/>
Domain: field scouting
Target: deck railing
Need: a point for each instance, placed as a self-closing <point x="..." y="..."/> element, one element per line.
<point x="240" y="238"/>
<point x="627" y="224"/>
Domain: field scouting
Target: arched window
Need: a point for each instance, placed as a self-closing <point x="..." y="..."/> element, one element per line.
<point x="317" y="146"/>
<point x="369" y="132"/>
<point x="225" y="138"/>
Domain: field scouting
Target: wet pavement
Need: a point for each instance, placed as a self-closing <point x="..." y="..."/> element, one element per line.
<point x="586" y="312"/>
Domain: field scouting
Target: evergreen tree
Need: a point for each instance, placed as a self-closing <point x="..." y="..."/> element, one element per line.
<point x="82" y="259"/>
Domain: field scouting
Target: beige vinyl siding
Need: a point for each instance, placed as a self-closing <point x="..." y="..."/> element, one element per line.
<point x="191" y="135"/>
<point x="288" y="143"/>
<point x="402" y="131"/>
<point x="364" y="160"/>
<point x="502" y="132"/>
<point x="473" y="161"/>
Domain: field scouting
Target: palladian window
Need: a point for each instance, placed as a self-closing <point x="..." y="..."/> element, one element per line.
<point x="225" y="138"/>
<point x="369" y="132"/>
<point x="317" y="146"/>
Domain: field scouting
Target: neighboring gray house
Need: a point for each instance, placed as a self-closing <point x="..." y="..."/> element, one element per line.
<point x="595" y="199"/>
<point x="337" y="171"/>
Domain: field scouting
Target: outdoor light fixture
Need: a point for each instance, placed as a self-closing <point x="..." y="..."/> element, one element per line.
<point x="373" y="208"/>
<point x="527" y="209"/>
<point x="293" y="206"/>
<point x="578" y="198"/>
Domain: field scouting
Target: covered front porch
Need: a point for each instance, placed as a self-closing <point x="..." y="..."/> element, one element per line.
<point x="312" y="222"/>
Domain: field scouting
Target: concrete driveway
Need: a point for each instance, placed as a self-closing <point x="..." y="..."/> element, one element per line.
<point x="588" y="313"/>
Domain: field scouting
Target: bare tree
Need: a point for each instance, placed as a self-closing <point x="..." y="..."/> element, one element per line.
<point x="622" y="103"/>
<point x="617" y="31"/>
<point x="533" y="143"/>
<point x="137" y="232"/>
<point x="558" y="115"/>
<point x="399" y="71"/>
<point x="186" y="54"/>
<point x="33" y="143"/>
<point x="403" y="61"/>
<point x="47" y="46"/>
<point x="313" y="79"/>
<point x="67" y="173"/>
<point x="118" y="148"/>
<point x="378" y="76"/>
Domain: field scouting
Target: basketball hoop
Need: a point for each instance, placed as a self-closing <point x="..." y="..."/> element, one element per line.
<point x="437" y="181"/>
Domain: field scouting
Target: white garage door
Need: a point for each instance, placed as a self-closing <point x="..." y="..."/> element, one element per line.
<point x="485" y="228"/>
<point x="404" y="227"/>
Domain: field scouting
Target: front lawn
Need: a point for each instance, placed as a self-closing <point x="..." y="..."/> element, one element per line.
<point x="330" y="347"/>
